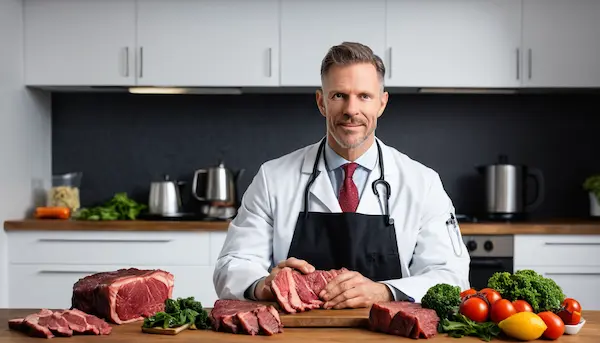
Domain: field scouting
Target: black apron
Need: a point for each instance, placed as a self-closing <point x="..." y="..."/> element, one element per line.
<point x="360" y="242"/>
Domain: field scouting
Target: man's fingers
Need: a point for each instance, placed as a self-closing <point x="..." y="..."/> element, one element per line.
<point x="334" y="287"/>
<point x="343" y="296"/>
<point x="298" y="264"/>
<point x="355" y="302"/>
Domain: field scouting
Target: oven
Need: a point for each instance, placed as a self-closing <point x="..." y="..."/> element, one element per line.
<point x="489" y="254"/>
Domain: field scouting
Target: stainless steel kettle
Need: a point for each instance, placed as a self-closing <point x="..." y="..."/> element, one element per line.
<point x="506" y="188"/>
<point x="165" y="197"/>
<point x="219" y="185"/>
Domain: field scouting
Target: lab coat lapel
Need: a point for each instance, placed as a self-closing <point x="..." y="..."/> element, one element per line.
<point x="322" y="189"/>
<point x="369" y="202"/>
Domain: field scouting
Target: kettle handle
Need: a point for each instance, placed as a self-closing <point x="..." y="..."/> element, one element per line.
<point x="195" y="183"/>
<point x="538" y="177"/>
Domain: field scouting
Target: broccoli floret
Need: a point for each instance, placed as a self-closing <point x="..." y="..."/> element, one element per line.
<point x="443" y="298"/>
<point x="543" y="294"/>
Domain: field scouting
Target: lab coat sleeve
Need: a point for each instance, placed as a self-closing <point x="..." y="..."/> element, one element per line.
<point x="246" y="253"/>
<point x="440" y="255"/>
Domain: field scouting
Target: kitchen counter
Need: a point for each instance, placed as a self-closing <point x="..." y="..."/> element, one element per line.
<point x="132" y="332"/>
<point x="561" y="227"/>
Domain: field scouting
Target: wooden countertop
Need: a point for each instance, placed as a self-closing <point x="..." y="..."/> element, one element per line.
<point x="132" y="333"/>
<point x="585" y="227"/>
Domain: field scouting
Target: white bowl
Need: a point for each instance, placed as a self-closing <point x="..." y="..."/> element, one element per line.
<point x="574" y="329"/>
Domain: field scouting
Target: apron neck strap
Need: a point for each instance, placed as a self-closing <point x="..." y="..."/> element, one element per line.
<point x="313" y="175"/>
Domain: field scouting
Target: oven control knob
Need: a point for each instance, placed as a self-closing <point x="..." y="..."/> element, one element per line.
<point x="488" y="246"/>
<point x="471" y="245"/>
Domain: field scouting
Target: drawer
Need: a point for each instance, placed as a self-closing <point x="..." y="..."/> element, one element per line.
<point x="109" y="248"/>
<point x="580" y="283"/>
<point x="217" y="239"/>
<point x="557" y="250"/>
<point x="51" y="286"/>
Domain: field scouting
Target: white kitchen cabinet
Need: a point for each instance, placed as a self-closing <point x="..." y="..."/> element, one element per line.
<point x="208" y="43"/>
<point x="44" y="265"/>
<point x="74" y="42"/>
<point x="453" y="43"/>
<point x="309" y="28"/>
<point x="561" y="44"/>
<point x="572" y="261"/>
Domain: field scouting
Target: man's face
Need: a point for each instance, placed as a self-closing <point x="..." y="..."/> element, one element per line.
<point x="351" y="100"/>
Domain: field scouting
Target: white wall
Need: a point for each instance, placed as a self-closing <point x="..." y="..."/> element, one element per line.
<point x="25" y="134"/>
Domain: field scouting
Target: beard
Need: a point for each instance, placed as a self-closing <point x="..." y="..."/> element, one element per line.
<point x="345" y="141"/>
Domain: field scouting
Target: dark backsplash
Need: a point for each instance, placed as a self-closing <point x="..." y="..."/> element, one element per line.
<point x="122" y="142"/>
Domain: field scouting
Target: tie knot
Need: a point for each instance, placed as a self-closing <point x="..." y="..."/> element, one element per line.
<point x="349" y="169"/>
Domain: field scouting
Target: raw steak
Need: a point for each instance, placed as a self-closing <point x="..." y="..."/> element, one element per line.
<point x="123" y="296"/>
<point x="48" y="324"/>
<point x="298" y="292"/>
<point x="403" y="319"/>
<point x="238" y="316"/>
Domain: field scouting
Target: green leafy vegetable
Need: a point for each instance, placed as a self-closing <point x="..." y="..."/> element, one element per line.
<point x="180" y="312"/>
<point x="543" y="294"/>
<point x="120" y="207"/>
<point x="443" y="298"/>
<point x="462" y="326"/>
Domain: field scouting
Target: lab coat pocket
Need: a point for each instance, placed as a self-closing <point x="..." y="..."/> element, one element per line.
<point x="383" y="266"/>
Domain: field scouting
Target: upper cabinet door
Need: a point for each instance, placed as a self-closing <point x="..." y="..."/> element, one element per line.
<point x="208" y="43"/>
<point x="561" y="39"/>
<point x="454" y="43"/>
<point x="310" y="27"/>
<point x="74" y="42"/>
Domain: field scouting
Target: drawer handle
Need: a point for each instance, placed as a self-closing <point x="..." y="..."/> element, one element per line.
<point x="593" y="274"/>
<point x="66" y="240"/>
<point x="67" y="272"/>
<point x="572" y="243"/>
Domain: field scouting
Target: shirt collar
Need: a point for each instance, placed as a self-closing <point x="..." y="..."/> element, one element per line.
<point x="367" y="160"/>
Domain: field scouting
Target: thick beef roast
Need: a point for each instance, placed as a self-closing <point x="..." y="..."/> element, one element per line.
<point x="297" y="292"/>
<point x="48" y="324"/>
<point x="403" y="319"/>
<point x="245" y="317"/>
<point x="123" y="296"/>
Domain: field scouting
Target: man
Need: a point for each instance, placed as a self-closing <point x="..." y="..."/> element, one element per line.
<point x="346" y="201"/>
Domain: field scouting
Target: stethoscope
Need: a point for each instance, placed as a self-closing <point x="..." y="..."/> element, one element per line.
<point x="379" y="181"/>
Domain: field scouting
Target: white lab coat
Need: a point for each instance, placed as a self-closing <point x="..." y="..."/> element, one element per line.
<point x="260" y="235"/>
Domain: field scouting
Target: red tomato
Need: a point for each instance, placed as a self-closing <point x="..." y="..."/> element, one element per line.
<point x="556" y="327"/>
<point x="468" y="292"/>
<point x="492" y="295"/>
<point x="522" y="306"/>
<point x="475" y="309"/>
<point x="501" y="310"/>
<point x="570" y="312"/>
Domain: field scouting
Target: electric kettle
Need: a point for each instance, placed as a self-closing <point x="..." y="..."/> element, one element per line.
<point x="165" y="197"/>
<point x="506" y="189"/>
<point x="218" y="185"/>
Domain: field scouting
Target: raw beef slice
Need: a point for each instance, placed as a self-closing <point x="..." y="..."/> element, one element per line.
<point x="403" y="319"/>
<point x="125" y="295"/>
<point x="239" y="316"/>
<point x="298" y="292"/>
<point x="48" y="324"/>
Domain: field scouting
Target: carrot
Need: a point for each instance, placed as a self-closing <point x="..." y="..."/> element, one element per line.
<point x="52" y="213"/>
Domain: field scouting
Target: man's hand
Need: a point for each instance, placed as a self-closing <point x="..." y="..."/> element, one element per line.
<point x="263" y="290"/>
<point x="352" y="290"/>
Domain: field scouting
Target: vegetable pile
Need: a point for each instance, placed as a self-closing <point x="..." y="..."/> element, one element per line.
<point x="524" y="305"/>
<point x="180" y="312"/>
<point x="120" y="207"/>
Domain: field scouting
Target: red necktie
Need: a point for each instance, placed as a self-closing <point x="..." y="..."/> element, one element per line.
<point x="349" y="193"/>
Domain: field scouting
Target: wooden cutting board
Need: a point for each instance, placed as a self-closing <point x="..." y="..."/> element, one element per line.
<point x="167" y="331"/>
<point x="327" y="318"/>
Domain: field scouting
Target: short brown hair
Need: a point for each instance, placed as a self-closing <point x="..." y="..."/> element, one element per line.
<point x="349" y="53"/>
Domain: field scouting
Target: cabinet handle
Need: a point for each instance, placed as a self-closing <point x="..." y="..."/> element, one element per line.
<point x="571" y="243"/>
<point x="518" y="64"/>
<point x="390" y="64"/>
<point x="99" y="240"/>
<point x="67" y="272"/>
<point x="141" y="61"/>
<point x="530" y="63"/>
<point x="126" y="61"/>
<point x="270" y="62"/>
<point x="573" y="273"/>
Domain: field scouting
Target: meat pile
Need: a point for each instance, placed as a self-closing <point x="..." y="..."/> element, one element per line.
<point x="403" y="319"/>
<point x="238" y="316"/>
<point x="123" y="296"/>
<point x="66" y="323"/>
<point x="297" y="292"/>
